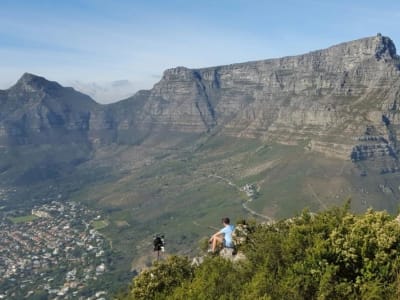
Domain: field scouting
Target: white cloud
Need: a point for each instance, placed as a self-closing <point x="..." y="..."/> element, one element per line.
<point x="105" y="92"/>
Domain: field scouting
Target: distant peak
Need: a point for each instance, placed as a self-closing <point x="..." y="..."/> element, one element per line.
<point x="30" y="82"/>
<point x="30" y="78"/>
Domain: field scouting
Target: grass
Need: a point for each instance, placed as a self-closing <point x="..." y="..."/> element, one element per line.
<point x="174" y="195"/>
<point x="99" y="224"/>
<point x="23" y="219"/>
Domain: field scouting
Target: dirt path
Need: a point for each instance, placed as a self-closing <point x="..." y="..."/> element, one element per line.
<point x="316" y="196"/>
<point x="244" y="204"/>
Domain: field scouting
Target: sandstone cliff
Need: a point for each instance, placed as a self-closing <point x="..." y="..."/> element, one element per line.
<point x="326" y="97"/>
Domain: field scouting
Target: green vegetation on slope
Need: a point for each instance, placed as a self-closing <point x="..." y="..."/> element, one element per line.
<point x="99" y="224"/>
<point x="181" y="190"/>
<point x="331" y="255"/>
<point x="23" y="219"/>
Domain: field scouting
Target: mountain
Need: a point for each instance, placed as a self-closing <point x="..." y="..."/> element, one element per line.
<point x="37" y="111"/>
<point x="304" y="131"/>
<point x="323" y="93"/>
<point x="326" y="96"/>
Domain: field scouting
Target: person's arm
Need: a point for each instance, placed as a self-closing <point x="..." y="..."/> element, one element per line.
<point x="215" y="235"/>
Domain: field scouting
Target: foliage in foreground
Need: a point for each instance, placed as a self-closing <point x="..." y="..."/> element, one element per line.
<point x="331" y="255"/>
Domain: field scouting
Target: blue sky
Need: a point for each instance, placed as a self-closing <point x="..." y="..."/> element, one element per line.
<point x="105" y="40"/>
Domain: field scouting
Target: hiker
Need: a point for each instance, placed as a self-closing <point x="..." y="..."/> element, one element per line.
<point x="224" y="236"/>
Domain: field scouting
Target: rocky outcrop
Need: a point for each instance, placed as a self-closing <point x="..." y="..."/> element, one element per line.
<point x="181" y="101"/>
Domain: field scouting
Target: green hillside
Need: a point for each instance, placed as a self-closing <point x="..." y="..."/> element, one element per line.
<point x="182" y="192"/>
<point x="331" y="255"/>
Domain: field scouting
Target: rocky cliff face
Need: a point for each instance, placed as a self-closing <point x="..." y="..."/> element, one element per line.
<point x="327" y="98"/>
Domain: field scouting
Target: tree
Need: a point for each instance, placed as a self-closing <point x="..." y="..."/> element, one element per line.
<point x="215" y="278"/>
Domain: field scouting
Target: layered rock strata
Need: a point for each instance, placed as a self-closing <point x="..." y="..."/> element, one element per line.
<point x="325" y="98"/>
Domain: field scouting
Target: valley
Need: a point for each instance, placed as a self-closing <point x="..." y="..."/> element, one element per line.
<point x="181" y="196"/>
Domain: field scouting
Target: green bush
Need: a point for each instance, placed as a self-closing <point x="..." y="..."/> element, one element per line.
<point x="331" y="255"/>
<point x="161" y="279"/>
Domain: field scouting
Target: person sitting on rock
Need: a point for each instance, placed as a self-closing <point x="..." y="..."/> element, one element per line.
<point x="222" y="237"/>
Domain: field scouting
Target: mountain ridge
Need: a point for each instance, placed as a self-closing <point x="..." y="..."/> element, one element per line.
<point x="376" y="45"/>
<point x="384" y="48"/>
<point x="246" y="99"/>
<point x="324" y="99"/>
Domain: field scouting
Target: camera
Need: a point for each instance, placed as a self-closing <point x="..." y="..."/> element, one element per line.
<point x="159" y="243"/>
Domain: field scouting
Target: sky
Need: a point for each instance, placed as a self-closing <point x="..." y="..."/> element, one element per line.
<point x="97" y="42"/>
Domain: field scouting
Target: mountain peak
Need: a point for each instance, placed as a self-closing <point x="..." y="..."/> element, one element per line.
<point x="31" y="83"/>
<point x="29" y="76"/>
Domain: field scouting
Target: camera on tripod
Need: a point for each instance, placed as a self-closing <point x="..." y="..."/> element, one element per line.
<point x="159" y="243"/>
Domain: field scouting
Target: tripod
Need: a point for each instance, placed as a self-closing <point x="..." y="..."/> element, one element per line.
<point x="159" y="245"/>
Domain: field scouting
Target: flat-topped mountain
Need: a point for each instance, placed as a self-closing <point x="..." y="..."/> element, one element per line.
<point x="341" y="101"/>
<point x="324" y="96"/>
<point x="327" y="96"/>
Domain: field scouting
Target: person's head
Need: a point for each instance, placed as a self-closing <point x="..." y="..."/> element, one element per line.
<point x="226" y="220"/>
